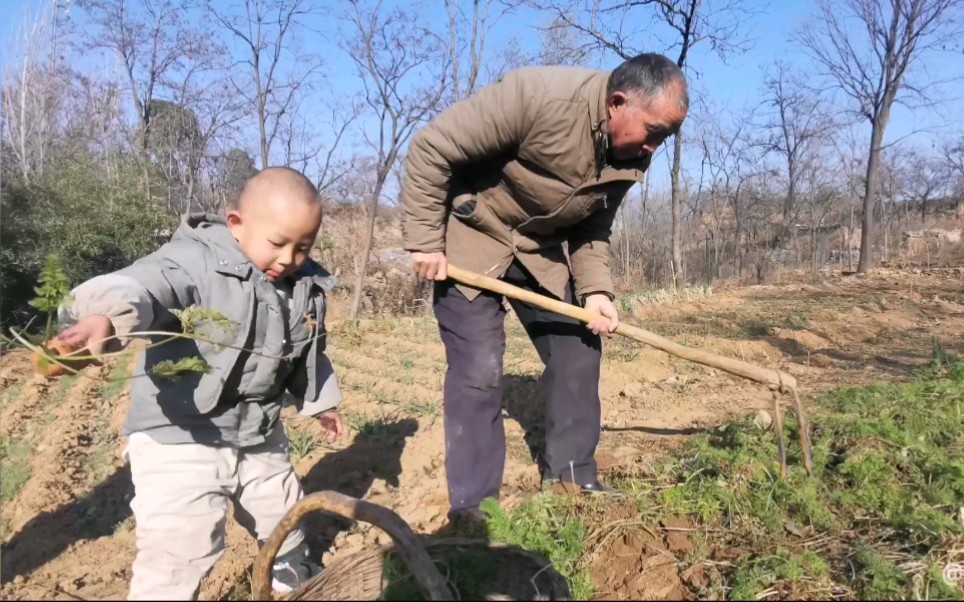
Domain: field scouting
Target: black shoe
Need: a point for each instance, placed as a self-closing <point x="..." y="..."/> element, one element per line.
<point x="293" y="569"/>
<point x="467" y="522"/>
<point x="560" y="487"/>
<point x="467" y="515"/>
<point x="598" y="488"/>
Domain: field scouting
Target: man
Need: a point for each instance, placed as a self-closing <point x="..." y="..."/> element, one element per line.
<point x="499" y="184"/>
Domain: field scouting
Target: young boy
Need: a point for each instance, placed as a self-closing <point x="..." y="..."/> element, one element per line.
<point x="200" y="439"/>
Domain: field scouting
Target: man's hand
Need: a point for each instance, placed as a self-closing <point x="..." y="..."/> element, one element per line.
<point x="88" y="333"/>
<point x="333" y="426"/>
<point x="601" y="305"/>
<point x="430" y="266"/>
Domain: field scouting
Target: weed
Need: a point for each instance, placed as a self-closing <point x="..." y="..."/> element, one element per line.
<point x="14" y="467"/>
<point x="241" y="588"/>
<point x="546" y="525"/>
<point x="889" y="480"/>
<point x="117" y="381"/>
<point x="58" y="396"/>
<point x="756" y="329"/>
<point x="467" y="570"/>
<point x="797" y="321"/>
<point x="690" y="293"/>
<point x="420" y="409"/>
<point x="784" y="568"/>
<point x="302" y="443"/>
<point x="10" y="393"/>
<point x="99" y="463"/>
<point x="368" y="427"/>
<point x="877" y="577"/>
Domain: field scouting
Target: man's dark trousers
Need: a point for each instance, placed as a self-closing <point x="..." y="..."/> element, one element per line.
<point x="474" y="337"/>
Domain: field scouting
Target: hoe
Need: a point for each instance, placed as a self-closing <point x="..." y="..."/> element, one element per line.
<point x="776" y="381"/>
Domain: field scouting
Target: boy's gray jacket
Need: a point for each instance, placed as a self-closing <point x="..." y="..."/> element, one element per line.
<point x="273" y="348"/>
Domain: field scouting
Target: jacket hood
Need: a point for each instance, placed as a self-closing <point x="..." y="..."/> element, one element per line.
<point x="211" y="230"/>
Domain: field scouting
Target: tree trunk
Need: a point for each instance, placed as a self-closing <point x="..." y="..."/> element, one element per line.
<point x="850" y="236"/>
<point x="677" y="226"/>
<point x="622" y="210"/>
<point x="813" y="254"/>
<point x="716" y="253"/>
<point x="709" y="266"/>
<point x="870" y="193"/>
<point x="366" y="252"/>
<point x="190" y="195"/>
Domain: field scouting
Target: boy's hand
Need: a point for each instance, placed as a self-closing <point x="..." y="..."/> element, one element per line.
<point x="333" y="426"/>
<point x="89" y="333"/>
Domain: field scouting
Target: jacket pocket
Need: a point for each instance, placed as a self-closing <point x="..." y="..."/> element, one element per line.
<point x="592" y="203"/>
<point x="465" y="207"/>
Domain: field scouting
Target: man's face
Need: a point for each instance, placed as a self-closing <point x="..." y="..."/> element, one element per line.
<point x="638" y="127"/>
<point x="277" y="233"/>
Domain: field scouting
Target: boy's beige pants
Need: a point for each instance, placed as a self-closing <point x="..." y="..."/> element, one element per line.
<point x="181" y="496"/>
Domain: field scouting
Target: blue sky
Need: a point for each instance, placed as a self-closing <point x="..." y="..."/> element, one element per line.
<point x="730" y="85"/>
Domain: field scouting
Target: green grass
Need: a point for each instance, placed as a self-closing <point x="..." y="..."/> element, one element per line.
<point x="14" y="467"/>
<point x="756" y="574"/>
<point x="370" y="427"/>
<point x="755" y="329"/>
<point x="423" y="409"/>
<point x="302" y="443"/>
<point x="545" y="525"/>
<point x="467" y="572"/>
<point x="10" y="393"/>
<point x="631" y="301"/>
<point x="549" y="526"/>
<point x="119" y="378"/>
<point x="887" y="491"/>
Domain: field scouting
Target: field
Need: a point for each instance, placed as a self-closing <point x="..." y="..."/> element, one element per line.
<point x="704" y="513"/>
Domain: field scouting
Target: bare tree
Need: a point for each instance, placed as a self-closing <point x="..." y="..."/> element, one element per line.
<point x="798" y="123"/>
<point x="954" y="160"/>
<point x="330" y="166"/>
<point x="34" y="92"/>
<point x="926" y="180"/>
<point x="820" y="200"/>
<point x="725" y="149"/>
<point x="617" y="26"/>
<point x="467" y="58"/>
<point x="203" y="112"/>
<point x="277" y="73"/>
<point x="871" y="63"/>
<point x="157" y="46"/>
<point x="404" y="77"/>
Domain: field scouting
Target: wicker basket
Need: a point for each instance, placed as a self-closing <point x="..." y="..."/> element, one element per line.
<point x="410" y="566"/>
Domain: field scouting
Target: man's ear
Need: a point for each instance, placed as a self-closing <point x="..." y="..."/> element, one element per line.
<point x="618" y="99"/>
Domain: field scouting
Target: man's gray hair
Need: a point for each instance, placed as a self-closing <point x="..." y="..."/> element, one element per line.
<point x="650" y="75"/>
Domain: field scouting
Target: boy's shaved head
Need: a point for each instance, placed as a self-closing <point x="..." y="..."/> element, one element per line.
<point x="275" y="181"/>
<point x="276" y="219"/>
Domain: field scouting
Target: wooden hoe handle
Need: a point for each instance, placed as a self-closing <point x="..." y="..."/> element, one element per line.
<point x="777" y="381"/>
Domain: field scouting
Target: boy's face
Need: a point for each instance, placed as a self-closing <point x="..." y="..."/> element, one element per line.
<point x="276" y="233"/>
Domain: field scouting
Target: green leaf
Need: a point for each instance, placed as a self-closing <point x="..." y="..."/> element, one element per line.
<point x="54" y="286"/>
<point x="172" y="370"/>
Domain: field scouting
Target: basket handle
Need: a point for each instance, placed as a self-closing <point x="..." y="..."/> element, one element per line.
<point x="423" y="569"/>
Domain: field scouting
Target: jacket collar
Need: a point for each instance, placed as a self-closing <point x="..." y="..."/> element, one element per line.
<point x="212" y="231"/>
<point x="608" y="170"/>
<point x="317" y="274"/>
